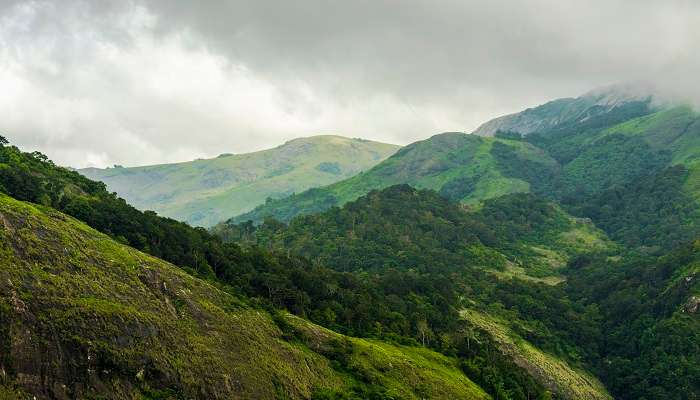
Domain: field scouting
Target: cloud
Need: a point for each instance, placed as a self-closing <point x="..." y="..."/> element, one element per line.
<point x="135" y="82"/>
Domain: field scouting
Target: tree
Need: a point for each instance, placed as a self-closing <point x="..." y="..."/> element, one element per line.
<point x="3" y="141"/>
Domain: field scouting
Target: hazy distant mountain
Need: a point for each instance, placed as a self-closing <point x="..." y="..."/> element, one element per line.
<point x="204" y="192"/>
<point x="567" y="110"/>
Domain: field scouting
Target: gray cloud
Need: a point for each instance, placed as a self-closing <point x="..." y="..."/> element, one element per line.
<point x="143" y="81"/>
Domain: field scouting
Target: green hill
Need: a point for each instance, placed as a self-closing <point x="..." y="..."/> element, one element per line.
<point x="402" y="227"/>
<point x="204" y="192"/>
<point x="433" y="258"/>
<point x="637" y="179"/>
<point x="465" y="168"/>
<point x="86" y="317"/>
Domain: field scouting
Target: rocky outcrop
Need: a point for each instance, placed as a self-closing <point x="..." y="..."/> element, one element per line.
<point x="692" y="306"/>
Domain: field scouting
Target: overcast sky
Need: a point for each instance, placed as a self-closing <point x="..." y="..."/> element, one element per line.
<point x="94" y="83"/>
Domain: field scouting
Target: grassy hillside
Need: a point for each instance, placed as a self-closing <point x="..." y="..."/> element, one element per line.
<point x="204" y="192"/>
<point x="84" y="316"/>
<point x="464" y="168"/>
<point x="552" y="372"/>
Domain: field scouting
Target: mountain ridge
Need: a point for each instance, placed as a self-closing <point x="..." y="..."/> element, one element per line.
<point x="206" y="191"/>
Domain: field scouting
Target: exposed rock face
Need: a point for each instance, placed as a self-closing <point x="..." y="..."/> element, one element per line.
<point x="692" y="306"/>
<point x="559" y="111"/>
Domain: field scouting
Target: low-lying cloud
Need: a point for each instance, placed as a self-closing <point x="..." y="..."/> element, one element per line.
<point x="137" y="82"/>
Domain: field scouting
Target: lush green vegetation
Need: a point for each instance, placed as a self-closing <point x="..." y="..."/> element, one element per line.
<point x="631" y="174"/>
<point x="649" y="312"/>
<point x="113" y="322"/>
<point x="427" y="258"/>
<point x="486" y="250"/>
<point x="207" y="191"/>
<point x="409" y="306"/>
<point x="462" y="167"/>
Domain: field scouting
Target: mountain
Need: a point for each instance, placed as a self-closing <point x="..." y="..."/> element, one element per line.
<point x="629" y="163"/>
<point x="403" y="233"/>
<point x="568" y="110"/>
<point x="83" y="316"/>
<point x="465" y="168"/>
<point x="558" y="264"/>
<point x="636" y="178"/>
<point x="204" y="192"/>
<point x="67" y="279"/>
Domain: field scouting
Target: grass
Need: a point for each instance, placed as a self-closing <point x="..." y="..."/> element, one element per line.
<point x="139" y="327"/>
<point x="405" y="372"/>
<point x="428" y="164"/>
<point x="205" y="192"/>
<point x="550" y="371"/>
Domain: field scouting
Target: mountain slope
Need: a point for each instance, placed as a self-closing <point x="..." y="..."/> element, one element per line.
<point x="568" y="110"/>
<point x="84" y="316"/>
<point x="651" y="313"/>
<point x="422" y="246"/>
<point x="465" y="168"/>
<point x="405" y="228"/>
<point x="204" y="192"/>
<point x="555" y="374"/>
<point x="637" y="179"/>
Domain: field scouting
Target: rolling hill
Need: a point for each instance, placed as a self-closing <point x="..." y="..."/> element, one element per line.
<point x="462" y="167"/>
<point x="204" y="192"/>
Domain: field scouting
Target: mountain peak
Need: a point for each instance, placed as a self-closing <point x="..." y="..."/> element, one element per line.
<point x="546" y="116"/>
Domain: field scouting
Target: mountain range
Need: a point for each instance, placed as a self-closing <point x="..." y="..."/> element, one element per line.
<point x="552" y="254"/>
<point x="577" y="160"/>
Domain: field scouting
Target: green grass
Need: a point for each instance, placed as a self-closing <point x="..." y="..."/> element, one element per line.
<point x="140" y="327"/>
<point x="433" y="163"/>
<point x="204" y="192"/>
<point x="550" y="371"/>
<point x="403" y="371"/>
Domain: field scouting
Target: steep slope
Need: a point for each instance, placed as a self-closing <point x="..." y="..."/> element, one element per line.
<point x="465" y="168"/>
<point x="555" y="374"/>
<point x="637" y="179"/>
<point x="204" y="192"/>
<point x="629" y="163"/>
<point x="565" y="111"/>
<point x="83" y="316"/>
